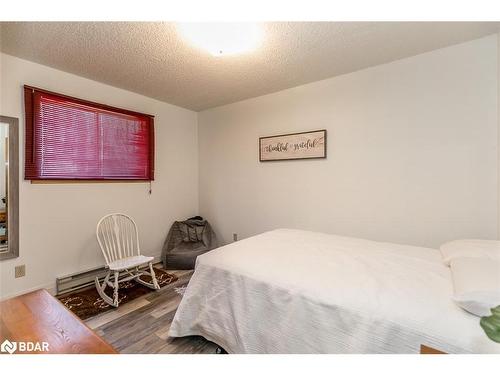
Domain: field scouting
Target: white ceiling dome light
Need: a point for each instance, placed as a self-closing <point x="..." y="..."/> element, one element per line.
<point x="225" y="38"/>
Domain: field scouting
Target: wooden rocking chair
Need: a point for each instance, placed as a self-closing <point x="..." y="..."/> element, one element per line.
<point x="119" y="241"/>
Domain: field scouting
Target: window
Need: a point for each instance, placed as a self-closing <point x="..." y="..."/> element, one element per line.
<point x="73" y="139"/>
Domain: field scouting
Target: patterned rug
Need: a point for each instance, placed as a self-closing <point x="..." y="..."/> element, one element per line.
<point x="86" y="303"/>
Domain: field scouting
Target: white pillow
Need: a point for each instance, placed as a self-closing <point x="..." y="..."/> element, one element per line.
<point x="470" y="248"/>
<point x="476" y="282"/>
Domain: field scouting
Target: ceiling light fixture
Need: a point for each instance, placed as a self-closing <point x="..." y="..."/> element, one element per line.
<point x="222" y="39"/>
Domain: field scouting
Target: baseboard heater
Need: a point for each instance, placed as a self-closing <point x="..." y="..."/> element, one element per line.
<point x="82" y="279"/>
<point x="78" y="280"/>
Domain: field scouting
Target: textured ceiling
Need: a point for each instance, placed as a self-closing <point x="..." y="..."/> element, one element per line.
<point x="153" y="60"/>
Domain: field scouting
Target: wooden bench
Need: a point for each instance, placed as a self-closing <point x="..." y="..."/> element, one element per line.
<point x="39" y="318"/>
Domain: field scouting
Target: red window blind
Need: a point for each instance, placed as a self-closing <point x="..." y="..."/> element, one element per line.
<point x="69" y="138"/>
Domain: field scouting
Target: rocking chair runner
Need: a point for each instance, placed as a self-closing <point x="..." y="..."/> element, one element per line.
<point x="119" y="241"/>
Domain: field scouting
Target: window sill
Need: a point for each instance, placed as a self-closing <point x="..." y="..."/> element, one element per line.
<point x="49" y="182"/>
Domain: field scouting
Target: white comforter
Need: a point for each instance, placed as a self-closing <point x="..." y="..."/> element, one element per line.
<point x="291" y="291"/>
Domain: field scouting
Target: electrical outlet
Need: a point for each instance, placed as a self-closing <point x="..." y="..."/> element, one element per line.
<point x="235" y="237"/>
<point x="20" y="271"/>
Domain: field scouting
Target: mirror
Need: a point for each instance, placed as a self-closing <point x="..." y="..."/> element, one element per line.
<point x="9" y="188"/>
<point x="4" y="183"/>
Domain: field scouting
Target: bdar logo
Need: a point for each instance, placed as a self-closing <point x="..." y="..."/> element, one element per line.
<point x="24" y="346"/>
<point x="8" y="347"/>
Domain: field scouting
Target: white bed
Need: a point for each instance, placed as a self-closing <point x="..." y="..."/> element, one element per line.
<point x="291" y="291"/>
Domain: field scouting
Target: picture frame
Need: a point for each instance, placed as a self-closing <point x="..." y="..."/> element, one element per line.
<point x="293" y="146"/>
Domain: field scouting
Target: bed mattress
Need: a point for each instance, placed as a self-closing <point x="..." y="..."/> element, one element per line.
<point x="292" y="291"/>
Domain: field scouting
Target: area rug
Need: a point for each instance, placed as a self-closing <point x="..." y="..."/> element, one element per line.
<point x="86" y="303"/>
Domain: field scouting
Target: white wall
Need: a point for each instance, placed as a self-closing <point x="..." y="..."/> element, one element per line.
<point x="498" y="132"/>
<point x="57" y="222"/>
<point x="412" y="153"/>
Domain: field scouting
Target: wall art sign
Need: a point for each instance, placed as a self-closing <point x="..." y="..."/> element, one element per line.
<point x="295" y="146"/>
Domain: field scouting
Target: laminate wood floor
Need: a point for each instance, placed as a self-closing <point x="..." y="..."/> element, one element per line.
<point x="141" y="326"/>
